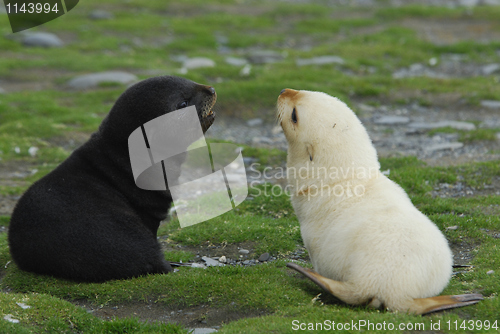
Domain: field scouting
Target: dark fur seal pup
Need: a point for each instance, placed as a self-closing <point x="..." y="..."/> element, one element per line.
<point x="87" y="220"/>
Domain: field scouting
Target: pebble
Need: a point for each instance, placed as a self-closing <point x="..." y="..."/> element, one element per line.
<point x="211" y="262"/>
<point x="491" y="104"/>
<point x="32" y="151"/>
<point x="262" y="140"/>
<point x="321" y="60"/>
<point x="452" y="228"/>
<point x="100" y="14"/>
<point x="392" y="120"/>
<point x="9" y="318"/>
<point x="244" y="251"/>
<point x="222" y="259"/>
<point x="255" y="122"/>
<point x="264" y="257"/>
<point x="246" y="70"/>
<point x="42" y="39"/>
<point x="490" y="69"/>
<point x="94" y="79"/>
<point x="277" y="130"/>
<point x="198" y="62"/>
<point x="203" y="331"/>
<point x="23" y="306"/>
<point x="489" y="272"/>
<point x="468" y="3"/>
<point x="365" y="108"/>
<point x="452" y="124"/>
<point x="443" y="146"/>
<point x="265" y="56"/>
<point x="236" y="61"/>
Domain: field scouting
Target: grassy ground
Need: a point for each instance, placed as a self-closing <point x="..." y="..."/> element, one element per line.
<point x="56" y="119"/>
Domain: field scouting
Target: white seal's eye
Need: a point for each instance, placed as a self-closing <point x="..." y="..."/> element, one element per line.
<point x="294" y="116"/>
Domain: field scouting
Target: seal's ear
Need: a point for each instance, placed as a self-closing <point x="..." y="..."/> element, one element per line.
<point x="310" y="151"/>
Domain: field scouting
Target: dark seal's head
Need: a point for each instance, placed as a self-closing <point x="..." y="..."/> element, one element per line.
<point x="155" y="97"/>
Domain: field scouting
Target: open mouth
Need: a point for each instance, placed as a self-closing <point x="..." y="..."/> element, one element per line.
<point x="208" y="117"/>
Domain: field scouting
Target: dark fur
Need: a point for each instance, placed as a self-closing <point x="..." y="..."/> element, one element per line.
<point x="87" y="220"/>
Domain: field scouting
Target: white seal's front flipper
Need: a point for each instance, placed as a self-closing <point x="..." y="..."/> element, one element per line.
<point x="342" y="290"/>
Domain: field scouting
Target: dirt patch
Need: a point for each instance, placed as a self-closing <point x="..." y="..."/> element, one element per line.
<point x="230" y="251"/>
<point x="191" y="317"/>
<point x="462" y="252"/>
<point x="448" y="31"/>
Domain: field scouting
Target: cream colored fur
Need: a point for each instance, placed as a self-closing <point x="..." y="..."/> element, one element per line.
<point x="374" y="241"/>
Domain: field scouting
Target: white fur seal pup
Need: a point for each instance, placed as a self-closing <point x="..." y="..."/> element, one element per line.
<point x="367" y="242"/>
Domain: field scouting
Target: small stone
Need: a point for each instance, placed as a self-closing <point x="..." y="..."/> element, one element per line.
<point x="9" y="318"/>
<point x="2" y="91"/>
<point x="490" y="69"/>
<point x="32" y="151"/>
<point x="100" y="14"/>
<point x="222" y="259"/>
<point x="444" y="146"/>
<point x="23" y="306"/>
<point x="236" y="61"/>
<point x="491" y="104"/>
<point x="321" y="60"/>
<point x="452" y="228"/>
<point x="203" y="330"/>
<point x="264" y="257"/>
<point x="262" y="140"/>
<point x="392" y="120"/>
<point x="386" y="172"/>
<point x="246" y="70"/>
<point x="277" y="129"/>
<point x="468" y="3"/>
<point x="255" y="122"/>
<point x="246" y="262"/>
<point x="443" y="124"/>
<point x="17" y="149"/>
<point x="489" y="272"/>
<point x="265" y="56"/>
<point x="198" y="62"/>
<point x="211" y="262"/>
<point x="365" y="108"/>
<point x="244" y="251"/>
<point x="42" y="39"/>
<point x="496" y="236"/>
<point x="95" y="79"/>
<point x="433" y="61"/>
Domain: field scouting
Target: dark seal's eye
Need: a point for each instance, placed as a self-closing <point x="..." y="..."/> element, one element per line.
<point x="183" y="104"/>
<point x="294" y="116"/>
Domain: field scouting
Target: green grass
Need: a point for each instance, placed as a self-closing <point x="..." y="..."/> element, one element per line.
<point x="268" y="222"/>
<point x="144" y="36"/>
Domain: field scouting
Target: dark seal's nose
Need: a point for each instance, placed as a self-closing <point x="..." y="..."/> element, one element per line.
<point x="212" y="90"/>
<point x="282" y="91"/>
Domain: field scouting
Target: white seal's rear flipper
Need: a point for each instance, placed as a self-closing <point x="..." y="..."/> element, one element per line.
<point x="441" y="303"/>
<point x="347" y="293"/>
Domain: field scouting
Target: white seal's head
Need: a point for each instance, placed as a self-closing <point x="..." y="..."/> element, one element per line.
<point x="322" y="129"/>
